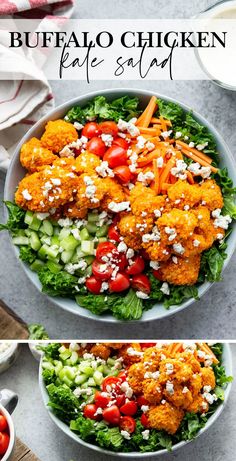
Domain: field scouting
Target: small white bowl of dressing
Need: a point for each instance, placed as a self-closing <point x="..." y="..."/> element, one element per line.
<point x="220" y="64"/>
<point x="8" y="354"/>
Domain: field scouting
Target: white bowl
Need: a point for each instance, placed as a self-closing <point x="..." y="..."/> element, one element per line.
<point x="16" y="173"/>
<point x="227" y="362"/>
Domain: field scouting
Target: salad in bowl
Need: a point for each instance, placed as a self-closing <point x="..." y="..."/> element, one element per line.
<point x="134" y="399"/>
<point x="122" y="208"/>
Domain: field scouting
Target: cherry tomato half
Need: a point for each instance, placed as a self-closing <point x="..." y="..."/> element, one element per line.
<point x="147" y="345"/>
<point x="3" y="423"/>
<point x="144" y="420"/>
<point x="90" y="130"/>
<point x="141" y="283"/>
<point x="129" y="408"/>
<point x="136" y="267"/>
<point x="112" y="415"/>
<point x="101" y="270"/>
<point x="96" y="146"/>
<point x="115" y="156"/>
<point x="142" y="401"/>
<point x="122" y="375"/>
<point x="127" y="424"/>
<point x="104" y="249"/>
<point x="120" y="400"/>
<point x="4" y="442"/>
<point x="90" y="410"/>
<point x="109" y="128"/>
<point x="120" y="283"/>
<point x="101" y="399"/>
<point x="123" y="173"/>
<point x="113" y="233"/>
<point x="121" y="142"/>
<point x="122" y="261"/>
<point x="157" y="274"/>
<point x="93" y="285"/>
<point x="111" y="381"/>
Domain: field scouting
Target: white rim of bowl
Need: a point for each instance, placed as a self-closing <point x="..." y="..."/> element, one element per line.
<point x="83" y="312"/>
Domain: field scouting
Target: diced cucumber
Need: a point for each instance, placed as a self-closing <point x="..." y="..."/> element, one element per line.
<point x="28" y="217"/>
<point x="65" y="355"/>
<point x="102" y="239"/>
<point x="34" y="241"/>
<point x="35" y="223"/>
<point x="74" y="358"/>
<point x="91" y="228"/>
<point x="58" y="366"/>
<point x="45" y="239"/>
<point x="92" y="217"/>
<point x="111" y="362"/>
<point x="64" y="232"/>
<point x="84" y="235"/>
<point x="88" y="271"/>
<point x="80" y="379"/>
<point x="20" y="240"/>
<point x="47" y="227"/>
<point x="55" y="240"/>
<point x="47" y="365"/>
<point x="50" y="251"/>
<point x="56" y="230"/>
<point x="66" y="256"/>
<point x="91" y="382"/>
<point x="37" y="265"/>
<point x="87" y="247"/>
<point x="69" y="243"/>
<point x="62" y="349"/>
<point x="102" y="231"/>
<point x="54" y="267"/>
<point x="85" y="368"/>
<point x="98" y="377"/>
<point x="89" y="259"/>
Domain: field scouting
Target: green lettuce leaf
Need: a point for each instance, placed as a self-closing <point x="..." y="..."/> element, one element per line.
<point x="15" y="218"/>
<point x="60" y="284"/>
<point x="212" y="262"/>
<point x="101" y="109"/>
<point x="178" y="294"/>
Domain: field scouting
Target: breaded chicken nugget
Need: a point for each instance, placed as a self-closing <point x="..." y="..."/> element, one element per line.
<point x="50" y="188"/>
<point x="208" y="377"/>
<point x="86" y="162"/>
<point x="152" y="391"/>
<point x="174" y="369"/>
<point x="33" y="156"/>
<point x="135" y="377"/>
<point x="58" y="133"/>
<point x="176" y="225"/>
<point x="128" y="230"/>
<point x="185" y="272"/>
<point x="182" y="193"/>
<point x="165" y="417"/>
<point x="181" y="397"/>
<point x="130" y="353"/>
<point x="211" y="194"/>
<point x="100" y="350"/>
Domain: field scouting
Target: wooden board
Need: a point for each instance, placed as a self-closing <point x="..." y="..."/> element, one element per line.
<point x="11" y="326"/>
<point x="23" y="453"/>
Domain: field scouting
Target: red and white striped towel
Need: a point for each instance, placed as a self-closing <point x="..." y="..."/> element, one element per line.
<point x="23" y="102"/>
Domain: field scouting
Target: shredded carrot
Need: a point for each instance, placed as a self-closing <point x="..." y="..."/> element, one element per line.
<point x="158" y="121"/>
<point x="195" y="151"/>
<point x="145" y="118"/>
<point x="190" y="177"/>
<point x="149" y="131"/>
<point x="143" y="161"/>
<point x="165" y="186"/>
<point x="166" y="171"/>
<point x="205" y="348"/>
<point x="199" y="160"/>
<point x="173" y="348"/>
<point x="156" y="177"/>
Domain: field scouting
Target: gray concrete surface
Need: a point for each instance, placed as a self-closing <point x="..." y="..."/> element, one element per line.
<point x="215" y="314"/>
<point x="35" y="428"/>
